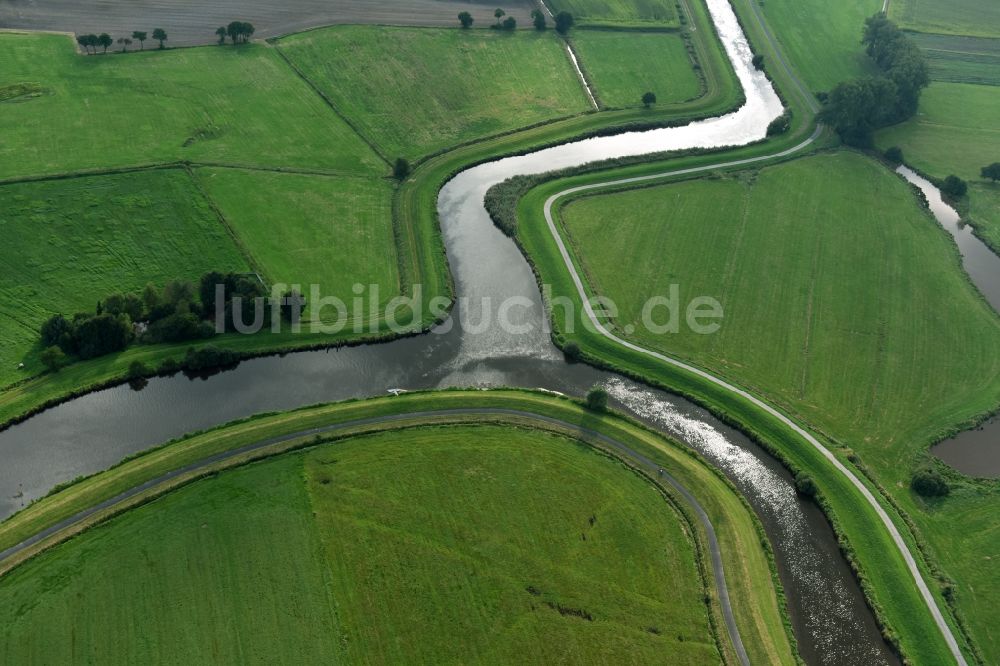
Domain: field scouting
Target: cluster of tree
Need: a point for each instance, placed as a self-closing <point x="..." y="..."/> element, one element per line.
<point x="597" y="399"/>
<point x="465" y="18"/>
<point x="857" y="108"/>
<point x="991" y="171"/>
<point x="509" y="23"/>
<point x="238" y="31"/>
<point x="538" y="19"/>
<point x="928" y="482"/>
<point x="781" y="124"/>
<point x="90" y="43"/>
<point x="178" y="312"/>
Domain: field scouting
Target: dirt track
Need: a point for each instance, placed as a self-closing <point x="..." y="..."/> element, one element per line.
<point x="190" y="22"/>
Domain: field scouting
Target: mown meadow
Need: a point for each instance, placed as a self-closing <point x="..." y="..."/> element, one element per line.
<point x="621" y="66"/>
<point x="481" y="543"/>
<point x="434" y="88"/>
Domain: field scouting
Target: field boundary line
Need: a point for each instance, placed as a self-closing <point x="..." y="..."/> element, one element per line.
<point x="221" y="217"/>
<point x="865" y="492"/>
<point x="329" y="102"/>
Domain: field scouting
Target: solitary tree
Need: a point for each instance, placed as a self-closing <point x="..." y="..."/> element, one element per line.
<point x="105" y="41"/>
<point x="84" y="41"/>
<point x="160" y="35"/>
<point x="564" y="21"/>
<point x="538" y="18"/>
<point x="991" y="171"/>
<point x="221" y="32"/>
<point x="509" y="23"/>
<point x="125" y="42"/>
<point x="465" y="18"/>
<point x="401" y="169"/>
<point x="139" y="36"/>
<point x="499" y="14"/>
<point x="648" y="99"/>
<point x="597" y="399"/>
<point x="954" y="187"/>
<point x="248" y="31"/>
<point x="758" y="61"/>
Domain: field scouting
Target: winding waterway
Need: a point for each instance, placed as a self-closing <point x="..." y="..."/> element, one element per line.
<point x="975" y="452"/>
<point x="831" y="621"/>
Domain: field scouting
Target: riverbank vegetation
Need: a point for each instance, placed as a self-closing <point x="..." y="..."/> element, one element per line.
<point x="609" y="565"/>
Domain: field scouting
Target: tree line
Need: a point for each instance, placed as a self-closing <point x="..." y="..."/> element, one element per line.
<point x="91" y="42"/>
<point x="563" y="21"/>
<point x="857" y="108"/>
<point x="178" y="312"/>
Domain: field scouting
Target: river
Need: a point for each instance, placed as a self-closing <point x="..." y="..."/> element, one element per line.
<point x="832" y="623"/>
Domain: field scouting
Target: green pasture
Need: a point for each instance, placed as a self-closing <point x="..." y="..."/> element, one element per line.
<point x="230" y="105"/>
<point x="620" y="13"/>
<point x="621" y="66"/>
<point x="478" y="543"/>
<point x="306" y="230"/>
<point x="421" y="90"/>
<point x="959" y="59"/>
<point x="958" y="17"/>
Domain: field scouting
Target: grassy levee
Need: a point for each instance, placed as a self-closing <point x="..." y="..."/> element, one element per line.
<point x="749" y="570"/>
<point x="419" y="248"/>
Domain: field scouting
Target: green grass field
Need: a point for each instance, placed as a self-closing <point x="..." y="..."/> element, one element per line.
<point x="417" y="545"/>
<point x="438" y="87"/>
<point x="621" y="66"/>
<point x="979" y="18"/>
<point x="215" y="104"/>
<point x="302" y="229"/>
<point x="792" y="253"/>
<point x="793" y="259"/>
<point x="72" y="242"/>
<point x="959" y="59"/>
<point x="622" y="13"/>
<point x="956" y="131"/>
<point x="822" y="39"/>
<point x="749" y="571"/>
